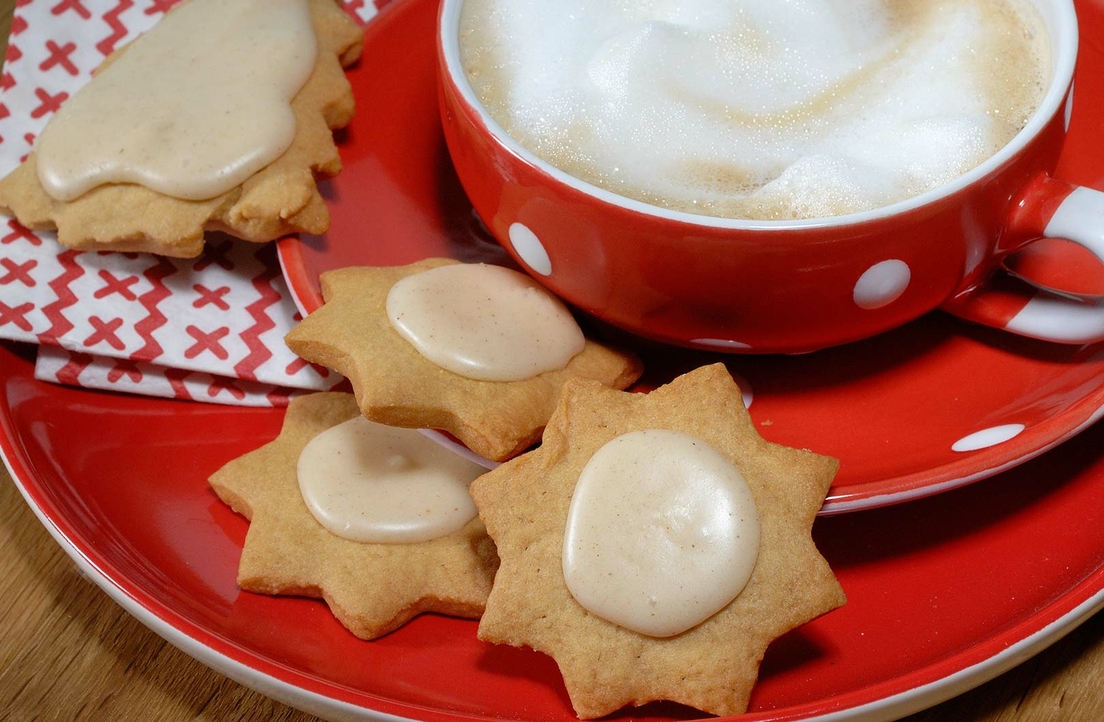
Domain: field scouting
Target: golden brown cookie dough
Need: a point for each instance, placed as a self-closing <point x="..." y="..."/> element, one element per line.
<point x="371" y="588"/>
<point x="712" y="666"/>
<point x="397" y="386"/>
<point x="281" y="198"/>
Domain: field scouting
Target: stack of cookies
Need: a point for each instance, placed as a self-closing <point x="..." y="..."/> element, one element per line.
<point x="653" y="544"/>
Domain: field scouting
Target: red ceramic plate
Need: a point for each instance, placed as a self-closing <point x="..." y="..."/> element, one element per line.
<point x="944" y="592"/>
<point x="929" y="407"/>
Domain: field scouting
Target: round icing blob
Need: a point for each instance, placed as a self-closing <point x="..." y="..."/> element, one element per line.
<point x="484" y="322"/>
<point x="662" y="533"/>
<point x="372" y="483"/>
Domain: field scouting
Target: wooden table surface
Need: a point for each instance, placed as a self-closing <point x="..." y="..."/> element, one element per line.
<point x="68" y="652"/>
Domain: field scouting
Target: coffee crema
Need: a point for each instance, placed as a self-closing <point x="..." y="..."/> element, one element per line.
<point x="759" y="109"/>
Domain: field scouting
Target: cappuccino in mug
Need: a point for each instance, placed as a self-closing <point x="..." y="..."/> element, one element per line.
<point x="759" y="109"/>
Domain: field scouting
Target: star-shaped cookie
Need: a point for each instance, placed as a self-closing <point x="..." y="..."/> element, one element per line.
<point x="279" y="199"/>
<point x="371" y="588"/>
<point x="396" y="385"/>
<point x="712" y="666"/>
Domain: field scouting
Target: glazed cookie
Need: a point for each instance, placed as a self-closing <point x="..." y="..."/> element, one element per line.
<point x="479" y="351"/>
<point x="215" y="149"/>
<point x="301" y="540"/>
<point x="655" y="545"/>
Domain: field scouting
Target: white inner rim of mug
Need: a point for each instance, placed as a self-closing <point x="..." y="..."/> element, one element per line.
<point x="1059" y="17"/>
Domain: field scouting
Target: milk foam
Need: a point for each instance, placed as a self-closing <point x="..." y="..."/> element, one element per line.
<point x="758" y="108"/>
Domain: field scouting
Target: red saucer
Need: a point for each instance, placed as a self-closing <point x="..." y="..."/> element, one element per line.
<point x="926" y="408"/>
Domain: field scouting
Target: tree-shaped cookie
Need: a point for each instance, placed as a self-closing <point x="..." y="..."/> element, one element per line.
<point x="279" y="198"/>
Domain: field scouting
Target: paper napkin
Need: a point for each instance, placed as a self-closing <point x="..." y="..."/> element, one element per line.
<point x="209" y="328"/>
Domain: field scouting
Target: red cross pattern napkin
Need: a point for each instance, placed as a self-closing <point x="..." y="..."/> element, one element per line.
<point x="207" y="329"/>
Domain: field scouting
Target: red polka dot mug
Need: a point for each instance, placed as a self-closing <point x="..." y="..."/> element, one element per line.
<point x="789" y="286"/>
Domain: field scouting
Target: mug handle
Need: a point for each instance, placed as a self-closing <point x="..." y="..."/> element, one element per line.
<point x="1048" y="208"/>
